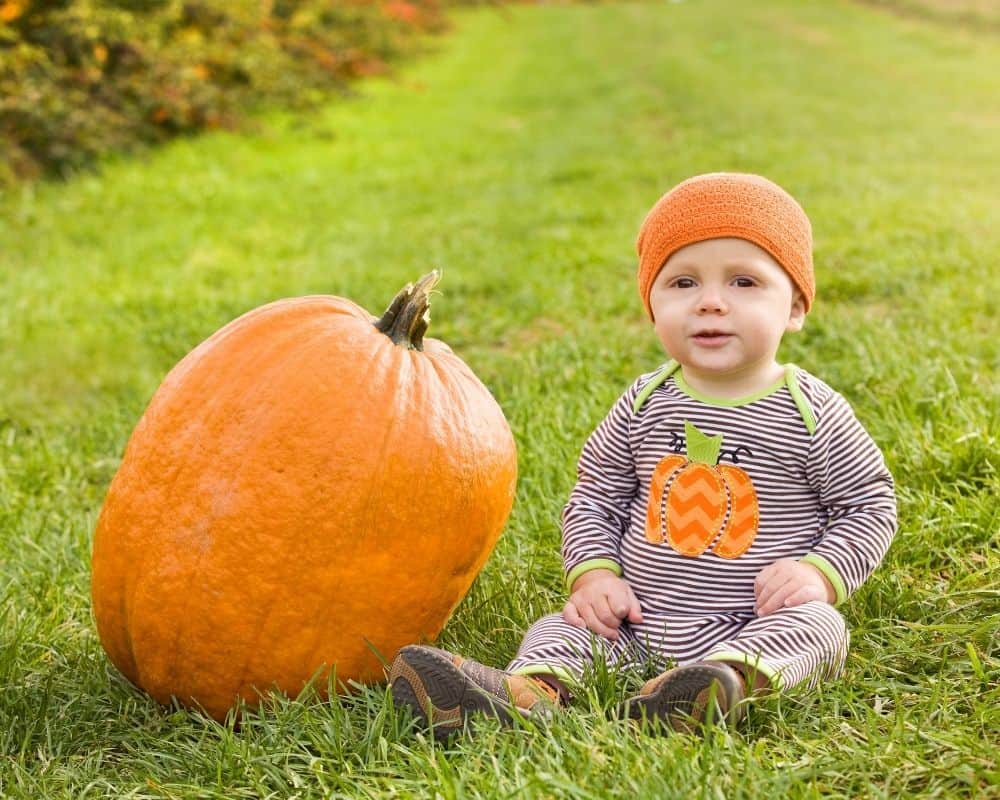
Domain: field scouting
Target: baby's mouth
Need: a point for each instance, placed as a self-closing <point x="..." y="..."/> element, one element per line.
<point x="712" y="337"/>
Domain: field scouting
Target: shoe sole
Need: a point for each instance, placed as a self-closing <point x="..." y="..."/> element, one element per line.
<point x="441" y="696"/>
<point x="675" y="702"/>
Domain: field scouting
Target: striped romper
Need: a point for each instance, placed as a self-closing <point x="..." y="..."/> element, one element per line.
<point x="688" y="499"/>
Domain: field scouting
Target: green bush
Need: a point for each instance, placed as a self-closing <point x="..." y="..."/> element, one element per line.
<point x="79" y="78"/>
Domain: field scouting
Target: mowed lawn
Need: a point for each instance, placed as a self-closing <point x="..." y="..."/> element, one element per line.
<point x="520" y="157"/>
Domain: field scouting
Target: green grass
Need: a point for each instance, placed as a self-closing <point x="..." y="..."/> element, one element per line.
<point x="521" y="158"/>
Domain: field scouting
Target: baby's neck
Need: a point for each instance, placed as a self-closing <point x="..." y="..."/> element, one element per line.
<point x="734" y="385"/>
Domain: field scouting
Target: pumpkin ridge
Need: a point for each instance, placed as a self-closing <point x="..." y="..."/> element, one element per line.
<point x="386" y="351"/>
<point x="134" y="583"/>
<point x="244" y="671"/>
<point x="160" y="416"/>
<point x="379" y="350"/>
<point x="216" y="413"/>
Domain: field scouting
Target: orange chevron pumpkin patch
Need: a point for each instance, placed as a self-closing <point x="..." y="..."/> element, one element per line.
<point x="699" y="501"/>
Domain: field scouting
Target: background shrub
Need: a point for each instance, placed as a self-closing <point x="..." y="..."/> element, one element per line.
<point x="79" y="78"/>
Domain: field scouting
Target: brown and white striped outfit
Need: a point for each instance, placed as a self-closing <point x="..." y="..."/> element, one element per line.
<point x="823" y="493"/>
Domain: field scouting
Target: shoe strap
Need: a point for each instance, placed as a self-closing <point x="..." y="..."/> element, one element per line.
<point x="487" y="678"/>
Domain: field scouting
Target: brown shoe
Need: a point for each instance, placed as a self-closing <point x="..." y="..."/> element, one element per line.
<point x="690" y="697"/>
<point x="443" y="689"/>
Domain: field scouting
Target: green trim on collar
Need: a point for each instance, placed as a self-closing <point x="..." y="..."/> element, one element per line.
<point x="830" y="572"/>
<point x="754" y="662"/>
<point x="587" y="566"/>
<point x="792" y="381"/>
<point x="660" y="378"/>
<point x="685" y="387"/>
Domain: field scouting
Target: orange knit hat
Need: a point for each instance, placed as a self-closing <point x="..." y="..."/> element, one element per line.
<point x="727" y="204"/>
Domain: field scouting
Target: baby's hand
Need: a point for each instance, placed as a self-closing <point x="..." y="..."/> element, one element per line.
<point x="788" y="583"/>
<point x="600" y="600"/>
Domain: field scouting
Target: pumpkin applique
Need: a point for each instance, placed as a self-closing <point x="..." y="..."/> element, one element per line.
<point x="696" y="501"/>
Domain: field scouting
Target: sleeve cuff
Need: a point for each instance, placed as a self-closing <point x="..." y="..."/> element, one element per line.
<point x="831" y="574"/>
<point x="587" y="566"/>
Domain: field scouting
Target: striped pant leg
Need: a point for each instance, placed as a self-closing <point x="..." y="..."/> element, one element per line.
<point x="552" y="646"/>
<point x="790" y="645"/>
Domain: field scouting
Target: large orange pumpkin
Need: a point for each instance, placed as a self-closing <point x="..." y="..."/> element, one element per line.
<point x="308" y="489"/>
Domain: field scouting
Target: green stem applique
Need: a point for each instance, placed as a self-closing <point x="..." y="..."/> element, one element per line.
<point x="701" y="448"/>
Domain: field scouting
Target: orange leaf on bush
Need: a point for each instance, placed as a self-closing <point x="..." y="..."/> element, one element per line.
<point x="11" y="10"/>
<point x="402" y="11"/>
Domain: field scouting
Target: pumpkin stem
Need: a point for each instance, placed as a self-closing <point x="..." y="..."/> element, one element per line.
<point x="405" y="320"/>
<point x="701" y="448"/>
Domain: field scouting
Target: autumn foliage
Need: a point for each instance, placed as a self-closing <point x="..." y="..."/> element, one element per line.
<point x="79" y="78"/>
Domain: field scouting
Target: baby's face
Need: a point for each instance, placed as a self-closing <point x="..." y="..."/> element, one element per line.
<point x="720" y="308"/>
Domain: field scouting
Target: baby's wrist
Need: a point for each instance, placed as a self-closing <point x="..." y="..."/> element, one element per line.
<point x="591" y="576"/>
<point x="831" y="592"/>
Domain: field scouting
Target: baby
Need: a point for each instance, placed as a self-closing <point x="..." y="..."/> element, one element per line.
<point x="723" y="507"/>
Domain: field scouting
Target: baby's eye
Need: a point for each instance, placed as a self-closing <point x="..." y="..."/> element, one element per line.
<point x="682" y="283"/>
<point x="744" y="283"/>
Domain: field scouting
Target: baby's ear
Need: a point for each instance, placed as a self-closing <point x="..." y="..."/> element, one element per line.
<point x="797" y="314"/>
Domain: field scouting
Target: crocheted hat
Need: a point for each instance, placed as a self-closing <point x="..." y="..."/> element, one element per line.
<point x="727" y="204"/>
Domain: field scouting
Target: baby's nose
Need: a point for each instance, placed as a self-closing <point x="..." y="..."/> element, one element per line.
<point x="711" y="299"/>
